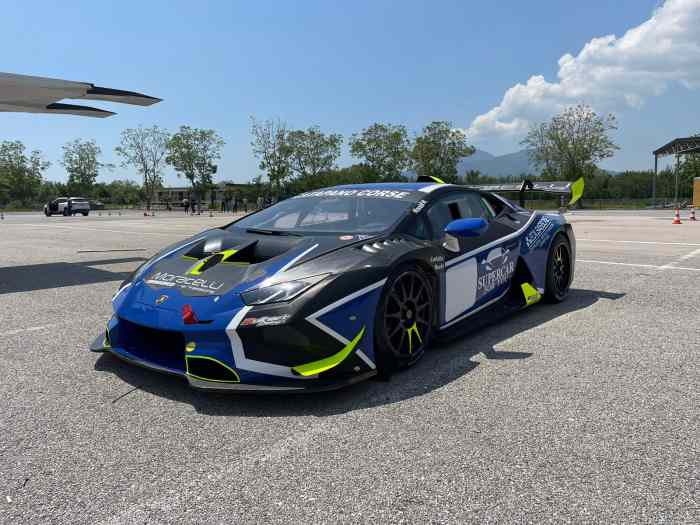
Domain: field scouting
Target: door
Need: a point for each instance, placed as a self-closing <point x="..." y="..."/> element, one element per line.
<point x="479" y="271"/>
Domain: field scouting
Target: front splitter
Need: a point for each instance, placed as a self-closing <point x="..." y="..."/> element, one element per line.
<point x="316" y="385"/>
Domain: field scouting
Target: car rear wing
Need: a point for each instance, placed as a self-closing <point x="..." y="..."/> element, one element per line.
<point x="575" y="188"/>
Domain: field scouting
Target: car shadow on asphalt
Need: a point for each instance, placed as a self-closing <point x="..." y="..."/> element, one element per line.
<point x="46" y="276"/>
<point x="445" y="362"/>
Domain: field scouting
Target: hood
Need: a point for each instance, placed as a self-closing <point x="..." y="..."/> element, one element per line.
<point x="219" y="262"/>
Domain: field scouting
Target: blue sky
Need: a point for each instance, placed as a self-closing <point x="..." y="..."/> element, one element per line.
<point x="341" y="65"/>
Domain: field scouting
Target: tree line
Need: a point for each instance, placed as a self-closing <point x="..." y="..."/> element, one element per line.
<point x="567" y="147"/>
<point x="297" y="160"/>
<point x="192" y="153"/>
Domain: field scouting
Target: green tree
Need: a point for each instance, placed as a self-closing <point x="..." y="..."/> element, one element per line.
<point x="570" y="145"/>
<point x="312" y="151"/>
<point x="437" y="151"/>
<point x="124" y="192"/>
<point x="355" y="174"/>
<point x="271" y="147"/>
<point x="192" y="152"/>
<point x="49" y="190"/>
<point x="473" y="178"/>
<point x="144" y="149"/>
<point x="81" y="161"/>
<point x="20" y="174"/>
<point x="385" y="148"/>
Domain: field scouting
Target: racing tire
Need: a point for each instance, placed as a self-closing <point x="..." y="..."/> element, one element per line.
<point x="65" y="212"/>
<point x="85" y="213"/>
<point x="47" y="213"/>
<point x="559" y="274"/>
<point x="403" y="326"/>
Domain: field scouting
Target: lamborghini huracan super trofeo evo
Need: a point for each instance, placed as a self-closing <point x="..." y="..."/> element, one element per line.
<point x="336" y="285"/>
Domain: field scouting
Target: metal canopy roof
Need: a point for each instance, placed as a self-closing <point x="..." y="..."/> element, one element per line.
<point x="27" y="94"/>
<point x="680" y="146"/>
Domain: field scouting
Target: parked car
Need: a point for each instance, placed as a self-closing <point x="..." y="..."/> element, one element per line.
<point x="67" y="206"/>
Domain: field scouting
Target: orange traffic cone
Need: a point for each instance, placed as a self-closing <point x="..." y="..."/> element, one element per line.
<point x="692" y="215"/>
<point x="677" y="218"/>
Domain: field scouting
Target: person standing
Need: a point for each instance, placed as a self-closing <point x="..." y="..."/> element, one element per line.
<point x="186" y="205"/>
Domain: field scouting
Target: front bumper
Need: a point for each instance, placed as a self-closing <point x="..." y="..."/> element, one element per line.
<point x="321" y="384"/>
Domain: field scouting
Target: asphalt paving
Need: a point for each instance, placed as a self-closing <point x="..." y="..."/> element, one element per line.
<point x="586" y="411"/>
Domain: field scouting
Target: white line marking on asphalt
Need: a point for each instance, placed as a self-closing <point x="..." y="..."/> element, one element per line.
<point x="639" y="242"/>
<point x="681" y="259"/>
<point x="635" y="265"/>
<point x="129" y="232"/>
<point x="30" y="329"/>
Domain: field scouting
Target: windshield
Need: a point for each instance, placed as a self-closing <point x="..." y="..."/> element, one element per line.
<point x="328" y="214"/>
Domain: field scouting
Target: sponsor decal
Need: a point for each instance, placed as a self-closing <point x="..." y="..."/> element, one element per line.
<point x="498" y="267"/>
<point x="183" y="281"/>
<point x="419" y="206"/>
<point x="265" y="321"/>
<point x="161" y="299"/>
<point x="346" y="237"/>
<point x="438" y="262"/>
<point x="537" y="236"/>
<point x="380" y="194"/>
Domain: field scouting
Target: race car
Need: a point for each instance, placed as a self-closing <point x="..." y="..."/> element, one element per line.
<point x="336" y="285"/>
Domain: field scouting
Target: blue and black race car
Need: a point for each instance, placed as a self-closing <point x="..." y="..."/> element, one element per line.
<point x="336" y="285"/>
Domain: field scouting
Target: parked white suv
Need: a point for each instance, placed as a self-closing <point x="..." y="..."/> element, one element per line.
<point x="67" y="206"/>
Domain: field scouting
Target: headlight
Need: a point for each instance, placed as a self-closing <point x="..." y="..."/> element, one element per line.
<point x="280" y="292"/>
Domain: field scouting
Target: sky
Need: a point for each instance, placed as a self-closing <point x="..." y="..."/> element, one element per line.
<point x="491" y="68"/>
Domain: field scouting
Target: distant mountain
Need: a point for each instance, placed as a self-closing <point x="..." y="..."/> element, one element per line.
<point x="498" y="166"/>
<point x="510" y="164"/>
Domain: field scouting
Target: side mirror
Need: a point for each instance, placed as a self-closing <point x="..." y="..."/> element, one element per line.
<point x="466" y="227"/>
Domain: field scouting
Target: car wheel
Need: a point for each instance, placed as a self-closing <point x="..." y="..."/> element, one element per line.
<point x="65" y="212"/>
<point x="404" y="319"/>
<point x="558" y="270"/>
<point x="85" y="213"/>
<point x="47" y="213"/>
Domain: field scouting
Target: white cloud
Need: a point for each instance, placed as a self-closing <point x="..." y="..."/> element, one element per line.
<point x="609" y="73"/>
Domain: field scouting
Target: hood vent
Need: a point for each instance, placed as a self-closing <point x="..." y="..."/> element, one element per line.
<point x="376" y="247"/>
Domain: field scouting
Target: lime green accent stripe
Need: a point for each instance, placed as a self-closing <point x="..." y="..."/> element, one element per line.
<point x="577" y="190"/>
<point x="225" y="254"/>
<point x="413" y="330"/>
<point x="531" y="294"/>
<point x="187" y="369"/>
<point x="195" y="270"/>
<point x="316" y="367"/>
<point x="439" y="181"/>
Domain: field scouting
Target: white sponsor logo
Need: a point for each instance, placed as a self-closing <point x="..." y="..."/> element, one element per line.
<point x="421" y="204"/>
<point x="171" y="279"/>
<point x="438" y="262"/>
<point x="265" y="321"/>
<point x="499" y="268"/>
<point x="537" y="235"/>
<point x="387" y="194"/>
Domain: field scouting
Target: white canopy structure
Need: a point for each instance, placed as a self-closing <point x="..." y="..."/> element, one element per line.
<point x="27" y="94"/>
